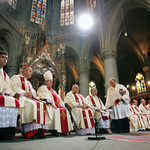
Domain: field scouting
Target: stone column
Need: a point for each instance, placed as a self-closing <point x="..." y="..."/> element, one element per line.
<point x="84" y="82"/>
<point x="11" y="70"/>
<point x="110" y="67"/>
<point x="147" y="76"/>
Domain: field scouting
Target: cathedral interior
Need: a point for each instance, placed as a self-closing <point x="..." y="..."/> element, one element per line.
<point x="45" y="35"/>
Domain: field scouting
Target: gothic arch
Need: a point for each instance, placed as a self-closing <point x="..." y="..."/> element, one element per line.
<point x="116" y="20"/>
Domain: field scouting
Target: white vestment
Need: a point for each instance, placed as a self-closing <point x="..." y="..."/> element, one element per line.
<point x="9" y="105"/>
<point x="57" y="116"/>
<point x="136" y="120"/>
<point x="143" y="118"/>
<point x="144" y="109"/>
<point x="34" y="110"/>
<point x="101" y="117"/>
<point x="83" y="118"/>
<point x="120" y="110"/>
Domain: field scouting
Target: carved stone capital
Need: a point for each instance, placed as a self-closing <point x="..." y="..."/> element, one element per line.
<point x="108" y="54"/>
<point x="145" y="69"/>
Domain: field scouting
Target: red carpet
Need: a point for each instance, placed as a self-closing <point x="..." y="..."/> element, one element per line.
<point x="135" y="138"/>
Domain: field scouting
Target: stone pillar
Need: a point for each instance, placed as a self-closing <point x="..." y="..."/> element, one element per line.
<point x="84" y="82"/>
<point x="110" y="67"/>
<point x="147" y="76"/>
<point x="11" y="70"/>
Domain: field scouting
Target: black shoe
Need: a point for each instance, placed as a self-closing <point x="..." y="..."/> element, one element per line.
<point x="33" y="137"/>
<point x="39" y="134"/>
<point x="54" y="133"/>
<point x="63" y="134"/>
<point x="105" y="131"/>
<point x="100" y="131"/>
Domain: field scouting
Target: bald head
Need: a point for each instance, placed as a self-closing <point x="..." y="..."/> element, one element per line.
<point x="112" y="82"/>
<point x="75" y="88"/>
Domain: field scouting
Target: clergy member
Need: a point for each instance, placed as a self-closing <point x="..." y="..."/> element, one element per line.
<point x="34" y="116"/>
<point x="148" y="105"/>
<point x="101" y="113"/>
<point x="8" y="105"/>
<point x="143" y="107"/>
<point x="61" y="123"/>
<point x="118" y="99"/>
<point x="81" y="113"/>
<point x="137" y="119"/>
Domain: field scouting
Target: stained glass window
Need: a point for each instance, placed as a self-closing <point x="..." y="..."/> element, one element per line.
<point x="38" y="11"/>
<point x="91" y="4"/>
<point x="140" y="83"/>
<point x="67" y="12"/>
<point x="12" y="3"/>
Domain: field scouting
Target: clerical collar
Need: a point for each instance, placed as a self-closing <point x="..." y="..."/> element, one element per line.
<point x="74" y="92"/>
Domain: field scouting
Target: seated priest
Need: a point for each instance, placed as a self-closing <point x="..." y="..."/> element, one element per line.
<point x="148" y="105"/>
<point x="61" y="123"/>
<point x="142" y="116"/>
<point x="8" y="105"/>
<point x="136" y="119"/>
<point x="143" y="107"/>
<point x="101" y="113"/>
<point x="81" y="112"/>
<point x="34" y="117"/>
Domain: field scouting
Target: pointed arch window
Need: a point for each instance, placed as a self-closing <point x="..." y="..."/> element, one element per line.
<point x="12" y="3"/>
<point x="140" y="83"/>
<point x="91" y="4"/>
<point x="67" y="12"/>
<point x="38" y="11"/>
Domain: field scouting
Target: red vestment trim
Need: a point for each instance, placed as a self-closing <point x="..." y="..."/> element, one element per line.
<point x="37" y="101"/>
<point x="91" y="118"/>
<point x="4" y="75"/>
<point x="22" y="82"/>
<point x="29" y="86"/>
<point x="104" y="117"/>
<point x="2" y="101"/>
<point x="63" y="120"/>
<point x="85" y="118"/>
<point x="145" y="107"/>
<point x="56" y="98"/>
<point x="137" y="115"/>
<point x="63" y="112"/>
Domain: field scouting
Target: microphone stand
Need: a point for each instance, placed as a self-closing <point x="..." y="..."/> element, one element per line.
<point x="96" y="137"/>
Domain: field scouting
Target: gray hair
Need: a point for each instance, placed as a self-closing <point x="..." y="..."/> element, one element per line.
<point x="112" y="79"/>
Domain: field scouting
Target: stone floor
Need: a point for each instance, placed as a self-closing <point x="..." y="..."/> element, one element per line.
<point x="73" y="142"/>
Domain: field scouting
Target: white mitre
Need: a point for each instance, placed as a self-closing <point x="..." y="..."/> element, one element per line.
<point x="48" y="75"/>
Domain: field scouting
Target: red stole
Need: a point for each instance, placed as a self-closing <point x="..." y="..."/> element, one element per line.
<point x="4" y="75"/>
<point x="145" y="107"/>
<point x="2" y="102"/>
<point x="63" y="112"/>
<point x="92" y="100"/>
<point x="83" y="112"/>
<point x="36" y="100"/>
<point x="56" y="98"/>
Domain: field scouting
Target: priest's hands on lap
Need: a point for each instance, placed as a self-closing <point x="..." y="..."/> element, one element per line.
<point x="98" y="110"/>
<point x="83" y="106"/>
<point x="28" y="94"/>
<point x="119" y="99"/>
<point x="53" y="106"/>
